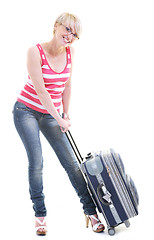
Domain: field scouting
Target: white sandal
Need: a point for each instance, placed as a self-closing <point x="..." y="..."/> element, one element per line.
<point x="94" y="227"/>
<point x="42" y="226"/>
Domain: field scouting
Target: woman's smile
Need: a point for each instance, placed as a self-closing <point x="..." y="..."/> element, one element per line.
<point x="66" y="39"/>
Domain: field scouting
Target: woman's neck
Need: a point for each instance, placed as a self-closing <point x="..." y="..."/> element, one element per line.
<point x="54" y="48"/>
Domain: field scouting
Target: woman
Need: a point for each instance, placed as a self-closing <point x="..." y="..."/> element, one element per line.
<point x="38" y="109"/>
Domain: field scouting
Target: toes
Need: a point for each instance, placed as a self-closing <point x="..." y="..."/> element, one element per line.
<point x="101" y="227"/>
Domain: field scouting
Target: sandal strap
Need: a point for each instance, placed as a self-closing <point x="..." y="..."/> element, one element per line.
<point x="96" y="226"/>
<point x="92" y="216"/>
<point x="41" y="223"/>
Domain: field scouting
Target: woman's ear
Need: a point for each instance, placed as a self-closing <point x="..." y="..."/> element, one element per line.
<point x="55" y="27"/>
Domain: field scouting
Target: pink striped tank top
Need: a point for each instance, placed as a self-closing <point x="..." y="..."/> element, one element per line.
<point x="54" y="84"/>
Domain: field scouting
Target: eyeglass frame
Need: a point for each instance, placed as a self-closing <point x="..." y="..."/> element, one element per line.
<point x="70" y="32"/>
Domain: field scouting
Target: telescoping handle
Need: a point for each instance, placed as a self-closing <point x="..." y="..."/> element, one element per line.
<point x="74" y="146"/>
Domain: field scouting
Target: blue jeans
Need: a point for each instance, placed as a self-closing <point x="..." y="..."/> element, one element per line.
<point x="29" y="123"/>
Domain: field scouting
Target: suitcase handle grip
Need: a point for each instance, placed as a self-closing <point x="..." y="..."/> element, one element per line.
<point x="99" y="193"/>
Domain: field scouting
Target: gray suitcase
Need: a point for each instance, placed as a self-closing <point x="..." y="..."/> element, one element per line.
<point x="113" y="191"/>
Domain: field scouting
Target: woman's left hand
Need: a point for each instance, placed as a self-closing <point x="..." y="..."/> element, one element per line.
<point x="66" y="118"/>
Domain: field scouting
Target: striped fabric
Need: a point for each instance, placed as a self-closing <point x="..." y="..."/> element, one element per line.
<point x="54" y="84"/>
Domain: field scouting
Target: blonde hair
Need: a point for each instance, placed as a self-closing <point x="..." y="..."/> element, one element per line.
<point x="70" y="20"/>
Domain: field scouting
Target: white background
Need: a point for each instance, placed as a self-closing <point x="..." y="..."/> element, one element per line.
<point x="111" y="107"/>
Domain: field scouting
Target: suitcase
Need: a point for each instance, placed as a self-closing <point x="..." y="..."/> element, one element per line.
<point x="112" y="190"/>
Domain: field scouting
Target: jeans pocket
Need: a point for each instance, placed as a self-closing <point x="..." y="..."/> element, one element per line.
<point x="20" y="106"/>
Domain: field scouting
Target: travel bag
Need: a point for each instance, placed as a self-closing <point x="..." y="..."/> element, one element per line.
<point x="112" y="190"/>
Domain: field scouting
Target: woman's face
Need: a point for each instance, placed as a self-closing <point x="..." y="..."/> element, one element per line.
<point x="65" y="34"/>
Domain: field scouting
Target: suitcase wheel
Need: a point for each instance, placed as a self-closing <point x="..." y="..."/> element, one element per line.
<point x="127" y="223"/>
<point x="111" y="231"/>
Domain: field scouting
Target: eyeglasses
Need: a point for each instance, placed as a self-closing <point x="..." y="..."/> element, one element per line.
<point x="70" y="32"/>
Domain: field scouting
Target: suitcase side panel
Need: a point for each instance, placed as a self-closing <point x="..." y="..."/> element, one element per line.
<point x="109" y="212"/>
<point x="119" y="179"/>
<point x="127" y="181"/>
<point x="102" y="209"/>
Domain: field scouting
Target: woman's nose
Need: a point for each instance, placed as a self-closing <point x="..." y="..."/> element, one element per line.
<point x="70" y="36"/>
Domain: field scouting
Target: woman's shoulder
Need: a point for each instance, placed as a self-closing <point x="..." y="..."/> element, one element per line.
<point x="33" y="49"/>
<point x="33" y="52"/>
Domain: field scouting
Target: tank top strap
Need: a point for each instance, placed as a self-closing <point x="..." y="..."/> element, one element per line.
<point x="68" y="54"/>
<point x="43" y="58"/>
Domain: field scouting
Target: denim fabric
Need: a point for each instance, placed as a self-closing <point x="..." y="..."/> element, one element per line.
<point x="29" y="123"/>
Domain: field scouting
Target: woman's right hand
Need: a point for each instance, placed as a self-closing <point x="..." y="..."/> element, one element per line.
<point x="64" y="125"/>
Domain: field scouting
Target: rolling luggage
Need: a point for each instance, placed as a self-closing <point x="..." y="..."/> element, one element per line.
<point x="112" y="190"/>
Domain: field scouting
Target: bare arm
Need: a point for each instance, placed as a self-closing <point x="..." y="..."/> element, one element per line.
<point x="67" y="92"/>
<point x="35" y="73"/>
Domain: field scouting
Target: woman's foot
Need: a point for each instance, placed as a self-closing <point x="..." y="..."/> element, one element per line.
<point x="40" y="226"/>
<point x="96" y="224"/>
